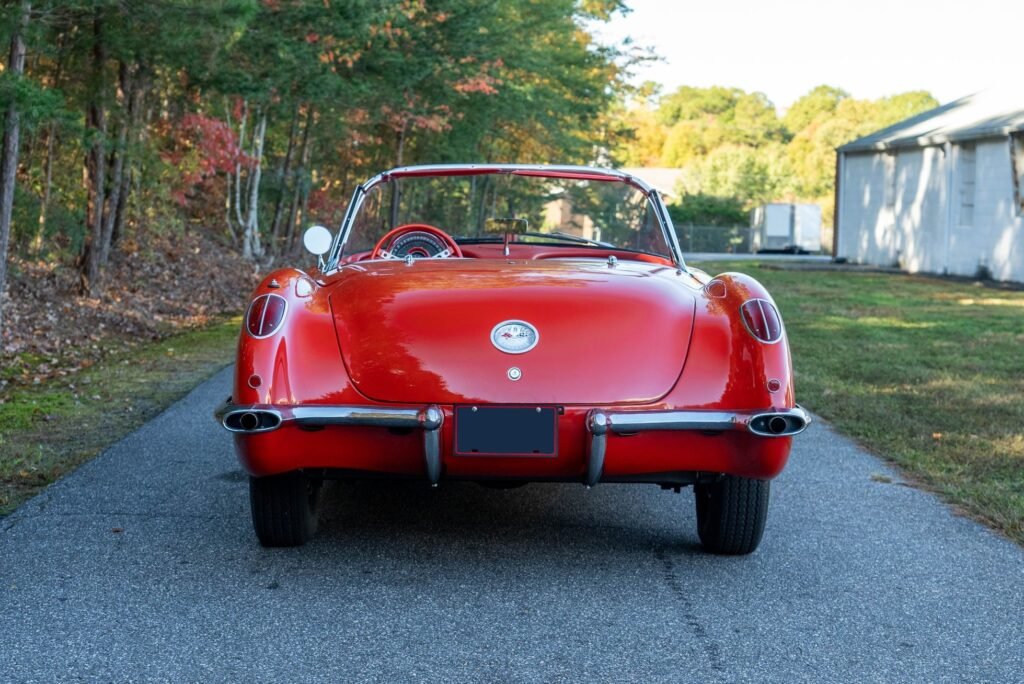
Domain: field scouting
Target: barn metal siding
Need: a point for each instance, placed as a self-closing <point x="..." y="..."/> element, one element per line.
<point x="996" y="238"/>
<point x="921" y="209"/>
<point x="922" y="231"/>
<point x="867" y="233"/>
<point x="953" y="207"/>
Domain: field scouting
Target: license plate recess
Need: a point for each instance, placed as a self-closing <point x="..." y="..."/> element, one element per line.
<point x="506" y="431"/>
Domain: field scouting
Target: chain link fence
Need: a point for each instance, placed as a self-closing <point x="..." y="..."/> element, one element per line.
<point x="730" y="239"/>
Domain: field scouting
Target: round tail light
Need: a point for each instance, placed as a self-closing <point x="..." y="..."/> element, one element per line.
<point x="762" y="320"/>
<point x="265" y="315"/>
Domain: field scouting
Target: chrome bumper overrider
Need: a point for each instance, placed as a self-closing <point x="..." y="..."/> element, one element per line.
<point x="257" y="418"/>
<point x="782" y="423"/>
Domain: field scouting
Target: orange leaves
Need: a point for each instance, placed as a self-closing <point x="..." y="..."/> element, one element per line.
<point x="333" y="53"/>
<point x="484" y="81"/>
<point x="389" y="31"/>
<point x="335" y="58"/>
<point x="481" y="83"/>
<point x="434" y="119"/>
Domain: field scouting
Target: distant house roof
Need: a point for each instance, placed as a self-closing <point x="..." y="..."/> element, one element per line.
<point x="661" y="179"/>
<point x="983" y="115"/>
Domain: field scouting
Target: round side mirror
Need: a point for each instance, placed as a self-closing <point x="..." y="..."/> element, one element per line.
<point x="317" y="240"/>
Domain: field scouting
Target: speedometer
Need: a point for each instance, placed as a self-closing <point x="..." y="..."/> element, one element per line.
<point x="418" y="245"/>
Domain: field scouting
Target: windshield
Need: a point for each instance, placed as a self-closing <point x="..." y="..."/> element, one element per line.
<point x="545" y="210"/>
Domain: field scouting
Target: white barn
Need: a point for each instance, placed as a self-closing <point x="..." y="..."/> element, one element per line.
<point x="941" y="192"/>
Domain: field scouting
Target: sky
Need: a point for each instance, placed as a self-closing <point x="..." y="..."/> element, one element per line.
<point x="870" y="48"/>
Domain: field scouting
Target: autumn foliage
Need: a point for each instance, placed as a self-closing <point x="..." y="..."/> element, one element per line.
<point x="200" y="148"/>
<point x="242" y="121"/>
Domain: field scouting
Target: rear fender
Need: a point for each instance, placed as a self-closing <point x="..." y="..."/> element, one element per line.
<point x="299" y="362"/>
<point x="727" y="367"/>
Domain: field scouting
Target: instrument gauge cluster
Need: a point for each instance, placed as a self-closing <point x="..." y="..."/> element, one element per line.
<point x="418" y="245"/>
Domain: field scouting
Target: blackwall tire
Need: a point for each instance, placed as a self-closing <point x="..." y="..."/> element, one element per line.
<point x="284" y="508"/>
<point x="731" y="513"/>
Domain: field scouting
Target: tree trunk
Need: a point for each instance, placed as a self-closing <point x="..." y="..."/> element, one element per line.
<point x="482" y="213"/>
<point x="251" y="247"/>
<point x="251" y="146"/>
<point x="282" y="179"/>
<point x="9" y="163"/>
<point x="396" y="187"/>
<point x="125" y="95"/>
<point x="293" y="215"/>
<point x="95" y="166"/>
<point x="303" y="212"/>
<point x="300" y="182"/>
<point x="44" y="206"/>
<point x="469" y="203"/>
<point x="229" y="220"/>
<point x="135" y="109"/>
<point x="227" y="210"/>
<point x="51" y="139"/>
<point x="122" y="202"/>
<point x="238" y="166"/>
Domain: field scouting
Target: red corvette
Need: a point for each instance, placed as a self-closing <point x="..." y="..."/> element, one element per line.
<point x="510" y="324"/>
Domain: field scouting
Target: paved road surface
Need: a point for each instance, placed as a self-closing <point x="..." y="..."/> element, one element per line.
<point x="142" y="566"/>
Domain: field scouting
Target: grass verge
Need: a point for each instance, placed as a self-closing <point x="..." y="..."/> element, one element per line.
<point x="47" y="430"/>
<point x="927" y="372"/>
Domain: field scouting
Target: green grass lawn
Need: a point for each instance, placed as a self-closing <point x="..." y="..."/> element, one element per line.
<point x="47" y="430"/>
<point x="926" y="372"/>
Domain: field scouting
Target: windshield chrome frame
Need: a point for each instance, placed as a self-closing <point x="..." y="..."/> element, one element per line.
<point x="534" y="170"/>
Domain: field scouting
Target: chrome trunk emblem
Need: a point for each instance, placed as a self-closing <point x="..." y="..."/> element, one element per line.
<point x="514" y="337"/>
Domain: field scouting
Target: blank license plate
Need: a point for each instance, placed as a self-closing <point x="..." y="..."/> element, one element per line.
<point x="505" y="431"/>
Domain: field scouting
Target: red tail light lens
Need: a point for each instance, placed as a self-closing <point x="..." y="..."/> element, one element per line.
<point x="762" y="320"/>
<point x="265" y="315"/>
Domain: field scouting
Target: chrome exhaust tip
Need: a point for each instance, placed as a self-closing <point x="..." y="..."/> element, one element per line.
<point x="248" y="422"/>
<point x="780" y="424"/>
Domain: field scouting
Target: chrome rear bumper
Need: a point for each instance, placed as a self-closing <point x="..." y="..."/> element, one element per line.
<point x="257" y="418"/>
<point x="781" y="423"/>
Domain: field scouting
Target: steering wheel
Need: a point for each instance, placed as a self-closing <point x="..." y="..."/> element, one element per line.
<point x="390" y="246"/>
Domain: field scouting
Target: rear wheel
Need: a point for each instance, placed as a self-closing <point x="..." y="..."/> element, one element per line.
<point x="731" y="513"/>
<point x="284" y="508"/>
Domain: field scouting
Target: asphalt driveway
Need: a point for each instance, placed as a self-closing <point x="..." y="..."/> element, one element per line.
<point x="141" y="566"/>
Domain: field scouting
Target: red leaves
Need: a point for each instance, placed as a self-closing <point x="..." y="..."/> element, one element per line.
<point x="201" y="146"/>
<point x="481" y="83"/>
<point x="327" y="204"/>
<point x="217" y="143"/>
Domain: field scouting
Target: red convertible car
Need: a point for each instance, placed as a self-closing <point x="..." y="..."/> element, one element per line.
<point x="509" y="324"/>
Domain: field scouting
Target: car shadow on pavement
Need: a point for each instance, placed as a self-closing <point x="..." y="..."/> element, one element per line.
<point x="468" y="515"/>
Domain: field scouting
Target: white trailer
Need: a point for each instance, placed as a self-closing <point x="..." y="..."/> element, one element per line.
<point x="785" y="227"/>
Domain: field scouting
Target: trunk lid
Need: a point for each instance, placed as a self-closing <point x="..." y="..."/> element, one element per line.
<point x="422" y="333"/>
